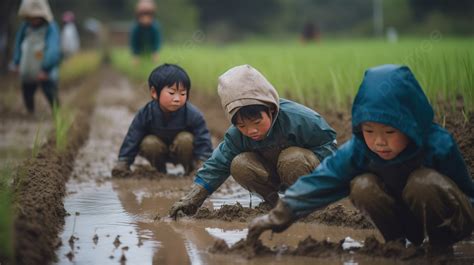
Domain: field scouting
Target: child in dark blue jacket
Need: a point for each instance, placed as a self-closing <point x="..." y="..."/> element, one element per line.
<point x="400" y="168"/>
<point x="168" y="128"/>
<point x="37" y="52"/>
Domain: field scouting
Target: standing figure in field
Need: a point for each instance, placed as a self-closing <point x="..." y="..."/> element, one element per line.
<point x="270" y="144"/>
<point x="37" y="52"/>
<point x="145" y="35"/>
<point x="168" y="128"/>
<point x="310" y="32"/>
<point x="70" y="42"/>
<point x="401" y="169"/>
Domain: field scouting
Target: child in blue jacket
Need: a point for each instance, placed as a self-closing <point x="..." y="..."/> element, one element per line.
<point x="400" y="168"/>
<point x="270" y="144"/>
<point x="37" y="52"/>
<point x="168" y="128"/>
<point x="145" y="35"/>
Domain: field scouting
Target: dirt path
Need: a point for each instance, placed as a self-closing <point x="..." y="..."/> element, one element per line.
<point x="125" y="221"/>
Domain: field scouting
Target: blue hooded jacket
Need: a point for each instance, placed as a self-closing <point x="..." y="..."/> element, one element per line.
<point x="150" y="121"/>
<point x="145" y="39"/>
<point x="52" y="49"/>
<point x="391" y="95"/>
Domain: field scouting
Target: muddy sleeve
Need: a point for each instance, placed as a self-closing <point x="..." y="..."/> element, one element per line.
<point x="52" y="53"/>
<point x="202" y="138"/>
<point x="326" y="184"/>
<point x="452" y="164"/>
<point x="131" y="144"/>
<point x="217" y="168"/>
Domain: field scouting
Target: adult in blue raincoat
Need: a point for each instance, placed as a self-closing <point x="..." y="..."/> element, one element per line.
<point x="400" y="168"/>
<point x="271" y="143"/>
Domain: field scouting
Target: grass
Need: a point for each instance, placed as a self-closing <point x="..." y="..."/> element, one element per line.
<point x="327" y="74"/>
<point x="62" y="123"/>
<point x="80" y="65"/>
<point x="6" y="219"/>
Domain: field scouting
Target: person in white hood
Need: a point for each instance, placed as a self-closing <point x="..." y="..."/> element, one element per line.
<point x="271" y="143"/>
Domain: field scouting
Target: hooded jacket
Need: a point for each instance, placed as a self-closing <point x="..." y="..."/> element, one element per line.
<point x="51" y="54"/>
<point x="145" y="39"/>
<point x="150" y="121"/>
<point x="293" y="125"/>
<point x="391" y="95"/>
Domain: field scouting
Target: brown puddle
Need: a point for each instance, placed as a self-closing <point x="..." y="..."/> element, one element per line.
<point x="125" y="220"/>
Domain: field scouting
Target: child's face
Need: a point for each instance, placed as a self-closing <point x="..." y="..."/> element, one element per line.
<point x="387" y="142"/>
<point x="35" y="21"/>
<point x="145" y="19"/>
<point x="256" y="129"/>
<point x="171" y="98"/>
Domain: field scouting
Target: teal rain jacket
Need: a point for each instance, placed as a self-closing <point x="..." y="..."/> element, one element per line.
<point x="294" y="125"/>
<point x="391" y="95"/>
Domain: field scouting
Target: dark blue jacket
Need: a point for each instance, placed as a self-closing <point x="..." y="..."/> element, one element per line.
<point x="294" y="125"/>
<point x="391" y="95"/>
<point x="149" y="121"/>
<point x="52" y="49"/>
<point x="145" y="39"/>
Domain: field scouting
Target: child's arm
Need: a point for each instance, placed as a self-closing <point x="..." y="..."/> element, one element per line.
<point x="217" y="168"/>
<point x="52" y="52"/>
<point x="157" y="39"/>
<point x="20" y="35"/>
<point x="134" y="39"/>
<point x="452" y="164"/>
<point x="202" y="138"/>
<point x="315" y="134"/>
<point x="326" y="184"/>
<point x="131" y="143"/>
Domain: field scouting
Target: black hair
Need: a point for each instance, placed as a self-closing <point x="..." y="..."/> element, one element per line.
<point x="168" y="75"/>
<point x="250" y="112"/>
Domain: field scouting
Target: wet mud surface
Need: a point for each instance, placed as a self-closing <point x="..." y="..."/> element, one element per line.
<point x="39" y="187"/>
<point x="124" y="221"/>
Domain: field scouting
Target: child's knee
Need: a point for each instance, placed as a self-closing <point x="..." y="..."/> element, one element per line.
<point x="295" y="162"/>
<point x="184" y="138"/>
<point x="424" y="183"/>
<point x="246" y="169"/>
<point x="363" y="188"/>
<point x="152" y="145"/>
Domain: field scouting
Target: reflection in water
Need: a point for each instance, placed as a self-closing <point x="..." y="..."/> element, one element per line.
<point x="229" y="236"/>
<point x="99" y="221"/>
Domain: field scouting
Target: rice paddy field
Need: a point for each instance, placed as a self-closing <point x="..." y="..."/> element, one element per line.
<point x="326" y="74"/>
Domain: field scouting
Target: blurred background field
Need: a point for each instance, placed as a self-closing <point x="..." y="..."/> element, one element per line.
<point x="328" y="74"/>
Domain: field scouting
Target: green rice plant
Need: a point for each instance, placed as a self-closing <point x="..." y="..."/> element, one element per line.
<point x="79" y="65"/>
<point x="62" y="123"/>
<point x="326" y="75"/>
<point x="6" y="222"/>
<point x="36" y="143"/>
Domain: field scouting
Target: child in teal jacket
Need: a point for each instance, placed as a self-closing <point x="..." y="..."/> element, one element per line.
<point x="271" y="143"/>
<point x="400" y="168"/>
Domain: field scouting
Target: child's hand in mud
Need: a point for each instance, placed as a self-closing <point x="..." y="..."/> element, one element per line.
<point x="278" y="220"/>
<point x="121" y="170"/>
<point x="189" y="203"/>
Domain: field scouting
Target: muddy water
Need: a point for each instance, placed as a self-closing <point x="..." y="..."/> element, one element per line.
<point x="125" y="221"/>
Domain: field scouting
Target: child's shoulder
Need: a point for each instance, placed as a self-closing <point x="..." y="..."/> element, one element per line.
<point x="439" y="141"/>
<point x="293" y="109"/>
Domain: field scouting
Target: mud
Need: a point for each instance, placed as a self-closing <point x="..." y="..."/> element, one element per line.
<point x="132" y="212"/>
<point x="311" y="247"/>
<point x="39" y="188"/>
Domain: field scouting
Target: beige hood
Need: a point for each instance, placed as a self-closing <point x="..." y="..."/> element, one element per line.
<point x="242" y="86"/>
<point x="35" y="8"/>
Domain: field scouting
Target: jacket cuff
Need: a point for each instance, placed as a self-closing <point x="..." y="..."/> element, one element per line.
<point x="199" y="181"/>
